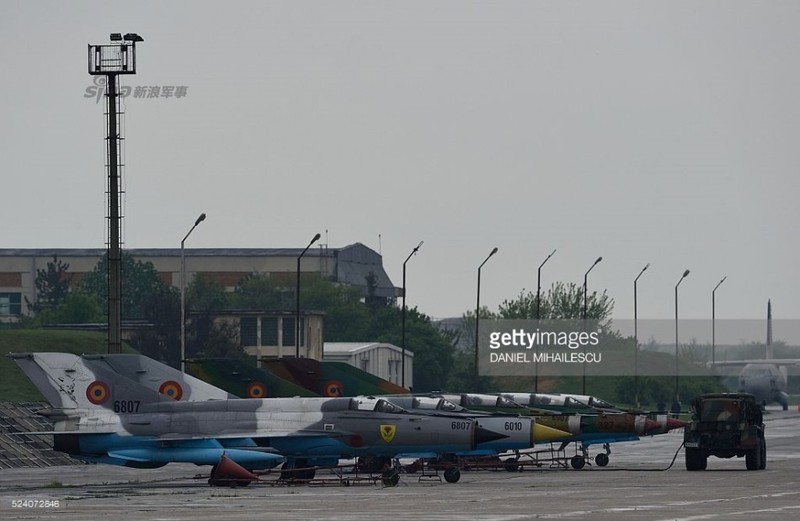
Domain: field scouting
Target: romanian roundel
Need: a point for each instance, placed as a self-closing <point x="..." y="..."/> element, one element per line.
<point x="172" y="389"/>
<point x="256" y="390"/>
<point x="98" y="392"/>
<point x="333" y="388"/>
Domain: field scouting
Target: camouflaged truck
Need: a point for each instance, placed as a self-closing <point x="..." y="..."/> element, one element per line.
<point x="725" y="425"/>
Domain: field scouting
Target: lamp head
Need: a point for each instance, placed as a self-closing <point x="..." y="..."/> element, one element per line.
<point x="200" y="219"/>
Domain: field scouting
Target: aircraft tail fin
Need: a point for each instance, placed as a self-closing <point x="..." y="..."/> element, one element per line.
<point x="159" y="377"/>
<point x="769" y="355"/>
<point x="68" y="382"/>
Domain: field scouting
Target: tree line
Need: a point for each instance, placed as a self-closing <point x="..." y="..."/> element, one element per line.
<point x="443" y="356"/>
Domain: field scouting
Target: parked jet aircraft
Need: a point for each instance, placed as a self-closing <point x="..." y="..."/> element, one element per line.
<point x="104" y="417"/>
<point x="593" y="426"/>
<point x="515" y="432"/>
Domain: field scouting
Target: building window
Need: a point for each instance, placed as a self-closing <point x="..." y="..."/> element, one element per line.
<point x="269" y="331"/>
<point x="288" y="331"/>
<point x="248" y="331"/>
<point x="10" y="303"/>
<point x="394" y="371"/>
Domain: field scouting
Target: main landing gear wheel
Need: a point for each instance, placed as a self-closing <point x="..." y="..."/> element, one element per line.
<point x="452" y="474"/>
<point x="601" y="459"/>
<point x="577" y="462"/>
<point x="511" y="465"/>
<point x="391" y="477"/>
<point x="298" y="472"/>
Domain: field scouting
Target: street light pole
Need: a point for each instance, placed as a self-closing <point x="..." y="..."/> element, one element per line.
<point x="585" y="310"/>
<point x="538" y="316"/>
<point x="676" y="407"/>
<point x="183" y="293"/>
<point x="713" y="322"/>
<point x="403" y="320"/>
<point x="636" y="338"/>
<point x="478" y="309"/>
<point x="297" y="299"/>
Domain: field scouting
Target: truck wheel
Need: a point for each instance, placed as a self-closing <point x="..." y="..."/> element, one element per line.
<point x="763" y="454"/>
<point x="696" y="459"/>
<point x="753" y="457"/>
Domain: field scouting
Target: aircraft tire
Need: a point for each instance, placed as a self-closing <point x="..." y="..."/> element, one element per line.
<point x="452" y="474"/>
<point x="390" y="477"/>
<point x="577" y="462"/>
<point x="511" y="465"/>
<point x="601" y="459"/>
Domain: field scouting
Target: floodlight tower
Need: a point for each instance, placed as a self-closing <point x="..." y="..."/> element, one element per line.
<point x="111" y="60"/>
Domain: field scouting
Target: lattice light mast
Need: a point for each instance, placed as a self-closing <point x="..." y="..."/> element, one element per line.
<point x="111" y="60"/>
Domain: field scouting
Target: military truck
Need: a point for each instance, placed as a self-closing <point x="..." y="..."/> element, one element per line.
<point x="725" y="425"/>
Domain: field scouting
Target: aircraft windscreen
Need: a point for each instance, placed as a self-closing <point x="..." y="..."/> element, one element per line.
<point x="597" y="402"/>
<point x="505" y="402"/>
<point x="384" y="406"/>
<point x="448" y="406"/>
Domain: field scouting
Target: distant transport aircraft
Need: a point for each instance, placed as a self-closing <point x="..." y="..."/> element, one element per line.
<point x="765" y="379"/>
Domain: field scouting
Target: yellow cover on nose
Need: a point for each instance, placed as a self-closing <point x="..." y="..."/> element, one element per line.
<point x="545" y="434"/>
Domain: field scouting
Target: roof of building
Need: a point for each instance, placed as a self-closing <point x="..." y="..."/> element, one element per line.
<point x="343" y="348"/>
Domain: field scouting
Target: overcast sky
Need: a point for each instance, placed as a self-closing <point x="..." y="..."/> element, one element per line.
<point x="660" y="132"/>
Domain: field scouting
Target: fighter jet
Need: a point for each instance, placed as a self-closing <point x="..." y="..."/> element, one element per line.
<point x="591" y="405"/>
<point x="594" y="426"/>
<point x="513" y="432"/>
<point x="519" y="432"/>
<point x="104" y="417"/>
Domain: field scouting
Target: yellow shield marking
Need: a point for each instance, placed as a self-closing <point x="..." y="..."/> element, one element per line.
<point x="388" y="432"/>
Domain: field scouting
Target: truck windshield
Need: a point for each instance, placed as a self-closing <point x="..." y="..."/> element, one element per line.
<point x="719" y="411"/>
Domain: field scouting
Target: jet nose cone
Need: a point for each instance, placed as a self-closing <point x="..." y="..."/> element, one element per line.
<point x="543" y="433"/>
<point x="485" y="435"/>
<point x="673" y="423"/>
<point x="650" y="425"/>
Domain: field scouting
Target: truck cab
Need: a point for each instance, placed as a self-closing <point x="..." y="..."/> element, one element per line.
<point x="725" y="425"/>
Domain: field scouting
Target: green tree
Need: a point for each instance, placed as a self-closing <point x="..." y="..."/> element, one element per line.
<point x="433" y="348"/>
<point x="203" y="294"/>
<point x="205" y="336"/>
<point x="259" y="291"/>
<point x="160" y="339"/>
<point x="562" y="301"/>
<point x="140" y="283"/>
<point x="52" y="286"/>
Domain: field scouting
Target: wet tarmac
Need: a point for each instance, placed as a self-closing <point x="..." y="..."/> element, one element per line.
<point x="640" y="482"/>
